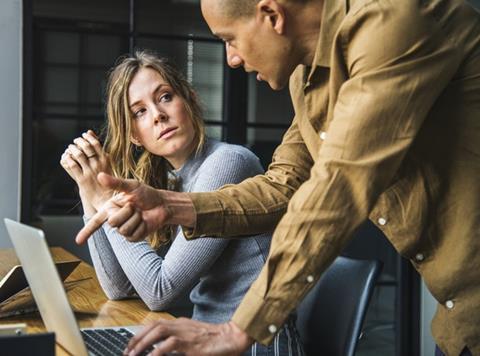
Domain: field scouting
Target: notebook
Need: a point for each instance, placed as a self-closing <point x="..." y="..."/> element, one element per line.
<point x="15" y="281"/>
<point x="15" y="296"/>
<point x="44" y="281"/>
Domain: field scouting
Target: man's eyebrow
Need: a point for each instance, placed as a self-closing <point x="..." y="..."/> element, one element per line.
<point x="157" y="89"/>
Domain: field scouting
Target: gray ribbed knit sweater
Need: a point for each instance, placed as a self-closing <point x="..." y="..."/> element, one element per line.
<point x="220" y="270"/>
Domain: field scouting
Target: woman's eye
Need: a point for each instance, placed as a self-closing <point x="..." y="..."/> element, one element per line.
<point x="139" y="112"/>
<point x="166" y="97"/>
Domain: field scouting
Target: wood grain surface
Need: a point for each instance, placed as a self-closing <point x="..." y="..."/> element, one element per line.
<point x="92" y="308"/>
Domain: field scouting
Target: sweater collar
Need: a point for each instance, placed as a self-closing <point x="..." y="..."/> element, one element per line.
<point x="193" y="162"/>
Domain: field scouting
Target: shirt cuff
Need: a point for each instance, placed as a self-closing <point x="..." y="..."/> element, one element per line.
<point x="210" y="216"/>
<point x="261" y="319"/>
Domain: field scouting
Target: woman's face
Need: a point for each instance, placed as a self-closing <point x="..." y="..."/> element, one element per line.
<point x="161" y="123"/>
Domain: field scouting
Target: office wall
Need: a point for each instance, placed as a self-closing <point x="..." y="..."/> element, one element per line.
<point x="10" y="119"/>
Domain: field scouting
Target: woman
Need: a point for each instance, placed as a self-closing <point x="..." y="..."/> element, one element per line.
<point x="156" y="135"/>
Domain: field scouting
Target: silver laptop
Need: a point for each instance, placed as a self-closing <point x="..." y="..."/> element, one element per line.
<point x="47" y="289"/>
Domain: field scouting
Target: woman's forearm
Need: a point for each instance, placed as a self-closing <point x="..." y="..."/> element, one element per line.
<point x="88" y="208"/>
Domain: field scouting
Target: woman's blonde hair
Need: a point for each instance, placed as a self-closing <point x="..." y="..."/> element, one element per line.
<point x="125" y="158"/>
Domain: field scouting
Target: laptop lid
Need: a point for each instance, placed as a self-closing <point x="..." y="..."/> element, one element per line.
<point x="47" y="289"/>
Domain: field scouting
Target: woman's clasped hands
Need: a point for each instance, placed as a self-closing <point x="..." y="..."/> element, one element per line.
<point x="83" y="160"/>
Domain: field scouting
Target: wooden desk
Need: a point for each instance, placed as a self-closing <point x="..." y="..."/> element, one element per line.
<point x="91" y="306"/>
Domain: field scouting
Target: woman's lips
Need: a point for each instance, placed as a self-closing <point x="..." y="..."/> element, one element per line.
<point x="167" y="133"/>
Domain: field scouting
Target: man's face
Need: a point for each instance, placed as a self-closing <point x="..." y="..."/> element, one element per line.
<point x="253" y="43"/>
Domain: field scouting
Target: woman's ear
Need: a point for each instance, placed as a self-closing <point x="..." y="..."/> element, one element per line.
<point x="135" y="141"/>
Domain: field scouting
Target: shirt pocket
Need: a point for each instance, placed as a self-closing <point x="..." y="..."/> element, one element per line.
<point x="405" y="212"/>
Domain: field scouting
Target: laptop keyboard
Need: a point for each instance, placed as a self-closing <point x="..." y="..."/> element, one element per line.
<point x="107" y="342"/>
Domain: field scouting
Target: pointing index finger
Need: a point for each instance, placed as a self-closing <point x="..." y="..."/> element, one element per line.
<point x="93" y="225"/>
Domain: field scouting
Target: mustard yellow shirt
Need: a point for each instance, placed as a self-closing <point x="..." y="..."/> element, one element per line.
<point x="386" y="127"/>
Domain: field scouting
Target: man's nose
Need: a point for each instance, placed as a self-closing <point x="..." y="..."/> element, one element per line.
<point x="233" y="59"/>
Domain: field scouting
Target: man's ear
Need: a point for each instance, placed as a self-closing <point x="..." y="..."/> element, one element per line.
<point x="273" y="13"/>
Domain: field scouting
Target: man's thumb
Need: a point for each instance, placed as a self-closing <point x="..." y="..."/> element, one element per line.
<point x="118" y="184"/>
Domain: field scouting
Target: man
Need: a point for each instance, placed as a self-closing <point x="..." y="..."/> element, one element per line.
<point x="387" y="102"/>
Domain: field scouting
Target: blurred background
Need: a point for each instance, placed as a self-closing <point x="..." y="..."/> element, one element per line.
<point x="53" y="70"/>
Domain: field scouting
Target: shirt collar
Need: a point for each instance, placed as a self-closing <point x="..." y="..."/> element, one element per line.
<point x="333" y="13"/>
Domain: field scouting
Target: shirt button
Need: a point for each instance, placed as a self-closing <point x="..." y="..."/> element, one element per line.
<point x="449" y="304"/>
<point x="323" y="135"/>
<point x="419" y="257"/>
<point x="310" y="279"/>
<point x="272" y="329"/>
<point x="382" y="221"/>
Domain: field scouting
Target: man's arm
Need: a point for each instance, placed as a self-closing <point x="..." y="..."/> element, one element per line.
<point x="138" y="209"/>
<point x="258" y="203"/>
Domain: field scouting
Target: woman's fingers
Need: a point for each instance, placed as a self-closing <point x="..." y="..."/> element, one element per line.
<point x="92" y="139"/>
<point x="79" y="156"/>
<point x="85" y="146"/>
<point x="92" y="133"/>
<point x="70" y="165"/>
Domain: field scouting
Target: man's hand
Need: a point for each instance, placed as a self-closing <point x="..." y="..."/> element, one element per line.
<point x="138" y="209"/>
<point x="190" y="337"/>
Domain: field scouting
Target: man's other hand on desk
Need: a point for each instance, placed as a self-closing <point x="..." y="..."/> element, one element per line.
<point x="190" y="337"/>
<point x="138" y="209"/>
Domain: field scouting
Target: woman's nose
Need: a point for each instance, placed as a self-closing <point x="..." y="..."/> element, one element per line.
<point x="159" y="116"/>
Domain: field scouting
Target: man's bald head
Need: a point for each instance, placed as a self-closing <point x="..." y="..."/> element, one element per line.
<point x="240" y="8"/>
<point x="234" y="8"/>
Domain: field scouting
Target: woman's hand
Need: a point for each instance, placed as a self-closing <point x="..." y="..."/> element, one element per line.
<point x="83" y="160"/>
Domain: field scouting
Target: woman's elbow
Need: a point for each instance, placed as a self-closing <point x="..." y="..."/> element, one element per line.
<point x="155" y="305"/>
<point x="115" y="295"/>
<point x="113" y="292"/>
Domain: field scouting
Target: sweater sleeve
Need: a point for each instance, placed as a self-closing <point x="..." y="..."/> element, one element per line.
<point x="159" y="281"/>
<point x="110" y="274"/>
